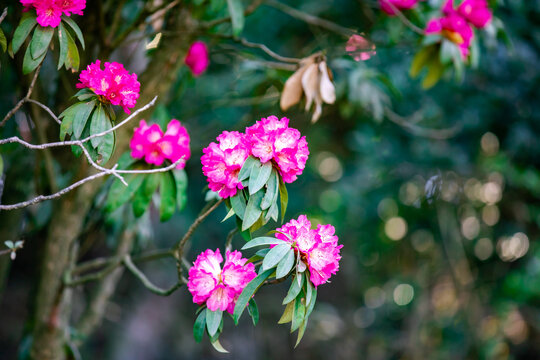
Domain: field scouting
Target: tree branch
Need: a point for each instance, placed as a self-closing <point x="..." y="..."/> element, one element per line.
<point x="413" y="128"/>
<point x="147" y="283"/>
<point x="249" y="10"/>
<point x="404" y="19"/>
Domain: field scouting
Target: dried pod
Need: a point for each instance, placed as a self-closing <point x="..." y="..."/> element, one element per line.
<point x="327" y="89"/>
<point x="310" y="84"/>
<point x="292" y="91"/>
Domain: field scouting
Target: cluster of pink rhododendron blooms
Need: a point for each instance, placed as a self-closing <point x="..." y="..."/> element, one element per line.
<point x="456" y="23"/>
<point x="154" y="146"/>
<point x="318" y="248"/>
<point x="114" y="84"/>
<point x="389" y="6"/>
<point x="49" y="12"/>
<point x="219" y="287"/>
<point x="197" y="58"/>
<point x="270" y="139"/>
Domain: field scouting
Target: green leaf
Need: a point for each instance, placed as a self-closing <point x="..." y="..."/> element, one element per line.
<point x="72" y="59"/>
<point x="285" y="265"/>
<point x="284" y="197"/>
<point x="259" y="177"/>
<point x="260" y="241"/>
<point x="84" y="94"/>
<point x="421" y="59"/>
<point x="40" y="41"/>
<point x="213" y="320"/>
<point x="236" y="10"/>
<point x="273" y="213"/>
<point x="253" y="311"/>
<point x="119" y="194"/>
<point x="219" y="348"/>
<point x="30" y="64"/>
<point x="168" y="196"/>
<point x="62" y="41"/>
<point x="198" y="327"/>
<point x="253" y="210"/>
<point x="311" y="305"/>
<point x="125" y="161"/>
<point x="309" y="289"/>
<point x="435" y="71"/>
<point x="275" y="255"/>
<point x="66" y="127"/>
<point x="98" y="124"/>
<point x="181" y="180"/>
<point x="287" y="314"/>
<point x="299" y="313"/>
<point x="81" y="112"/>
<point x="238" y="203"/>
<point x="144" y="195"/>
<point x="106" y="148"/>
<point x="3" y="41"/>
<point x="73" y="25"/>
<point x="301" y="331"/>
<point x="271" y="190"/>
<point x="247" y="293"/>
<point x="245" y="171"/>
<point x="294" y="290"/>
<point x="24" y="28"/>
<point x="1" y="165"/>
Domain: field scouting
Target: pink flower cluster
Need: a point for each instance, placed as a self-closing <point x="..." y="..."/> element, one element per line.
<point x="270" y="139"/>
<point x="318" y="248"/>
<point x="455" y="25"/>
<point x="360" y="48"/>
<point x="197" y="58"/>
<point x="49" y="12"/>
<point x="388" y="5"/>
<point x="150" y="143"/>
<point x="219" y="288"/>
<point x="114" y="84"/>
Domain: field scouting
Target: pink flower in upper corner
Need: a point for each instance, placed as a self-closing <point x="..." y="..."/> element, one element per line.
<point x="476" y="12"/>
<point x="271" y="139"/>
<point x="318" y="248"/>
<point x="360" y="48"/>
<point x="49" y="12"/>
<point x="455" y="28"/>
<point x="219" y="287"/>
<point x="222" y="162"/>
<point x="197" y="58"/>
<point x="114" y="84"/>
<point x="388" y="5"/>
<point x="150" y="143"/>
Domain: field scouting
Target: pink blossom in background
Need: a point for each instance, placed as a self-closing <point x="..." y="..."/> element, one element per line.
<point x="318" y="248"/>
<point x="386" y="5"/>
<point x="219" y="287"/>
<point x="476" y="12"/>
<point x="150" y="143"/>
<point x="360" y="48"/>
<point x="49" y="12"/>
<point x="197" y="58"/>
<point x="455" y="28"/>
<point x="271" y="139"/>
<point x="114" y="84"/>
<point x="222" y="162"/>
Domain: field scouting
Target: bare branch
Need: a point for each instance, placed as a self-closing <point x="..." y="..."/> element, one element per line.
<point x="44" y="107"/>
<point x="147" y="283"/>
<point x="268" y="51"/>
<point x="413" y="128"/>
<point x="249" y="10"/>
<point x="404" y="19"/>
<point x="4" y="14"/>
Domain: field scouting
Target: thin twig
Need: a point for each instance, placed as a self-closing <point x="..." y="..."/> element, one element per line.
<point x="404" y="19"/>
<point x="249" y="10"/>
<point x="25" y="99"/>
<point x="4" y="14"/>
<point x="44" y="107"/>
<point x="412" y="127"/>
<point x="230" y="236"/>
<point x="147" y="283"/>
<point x="268" y="51"/>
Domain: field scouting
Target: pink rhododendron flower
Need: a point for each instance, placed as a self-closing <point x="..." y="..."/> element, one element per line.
<point x="386" y="5"/>
<point x="360" y="48"/>
<point x="197" y="58"/>
<point x="455" y="28"/>
<point x="271" y="139"/>
<point x="222" y="162"/>
<point x="476" y="12"/>
<point x="318" y="248"/>
<point x="219" y="287"/>
<point x="150" y="143"/>
<point x="114" y="84"/>
<point x="49" y="12"/>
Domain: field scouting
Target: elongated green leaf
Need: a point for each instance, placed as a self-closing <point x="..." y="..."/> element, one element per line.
<point x="309" y="289"/>
<point x="144" y="195"/>
<point x="199" y="326"/>
<point x="167" y="189"/>
<point x="284" y="197"/>
<point x="271" y="190"/>
<point x="106" y="148"/>
<point x="229" y="215"/>
<point x="75" y="28"/>
<point x="1" y="165"/>
<point x="446" y="52"/>
<point x="421" y="59"/>
<point x="119" y="194"/>
<point x="294" y="290"/>
<point x="238" y="203"/>
<point x="248" y="292"/>
<point x="275" y="255"/>
<point x="219" y="348"/>
<point x="62" y="41"/>
<point x="66" y="127"/>
<point x="311" y="305"/>
<point x="24" y="28"/>
<point x="245" y="171"/>
<point x="40" y="41"/>
<point x="253" y="210"/>
<point x="299" y="313"/>
<point x="253" y="311"/>
<point x="287" y="314"/>
<point x="30" y="64"/>
<point x="272" y="213"/>
<point x="236" y="10"/>
<point x="125" y="161"/>
<point x="98" y="124"/>
<point x="260" y="241"/>
<point x="72" y="59"/>
<point x="285" y="265"/>
<point x="181" y="181"/>
<point x="259" y="177"/>
<point x="3" y="41"/>
<point x="213" y="320"/>
<point x="435" y="71"/>
<point x="301" y="331"/>
<point x="81" y="112"/>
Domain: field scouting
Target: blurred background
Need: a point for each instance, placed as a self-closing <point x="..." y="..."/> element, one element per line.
<point x="435" y="194"/>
